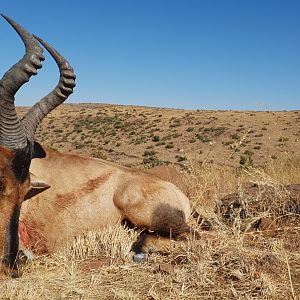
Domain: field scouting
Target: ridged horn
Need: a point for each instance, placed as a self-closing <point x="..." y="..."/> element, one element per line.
<point x="61" y="92"/>
<point x="12" y="134"/>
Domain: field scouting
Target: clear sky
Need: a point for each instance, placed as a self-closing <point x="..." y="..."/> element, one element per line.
<point x="213" y="54"/>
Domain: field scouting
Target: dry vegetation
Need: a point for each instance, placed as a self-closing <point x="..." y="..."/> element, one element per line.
<point x="140" y="135"/>
<point x="252" y="254"/>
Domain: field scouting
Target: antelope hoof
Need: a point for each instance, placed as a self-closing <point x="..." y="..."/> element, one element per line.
<point x="10" y="272"/>
<point x="15" y="274"/>
<point x="140" y="257"/>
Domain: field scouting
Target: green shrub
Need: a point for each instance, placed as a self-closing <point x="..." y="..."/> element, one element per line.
<point x="176" y="135"/>
<point x="190" y="129"/>
<point x="235" y="136"/>
<point x="99" y="154"/>
<point x="283" y="139"/>
<point x="151" y="160"/>
<point x="202" y="138"/>
<point x="149" y="153"/>
<point x="246" y="161"/>
<point x="169" y="146"/>
<point x="156" y="138"/>
<point x="180" y="157"/>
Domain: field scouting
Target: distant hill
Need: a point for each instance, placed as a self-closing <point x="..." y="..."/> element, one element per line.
<point x="132" y="135"/>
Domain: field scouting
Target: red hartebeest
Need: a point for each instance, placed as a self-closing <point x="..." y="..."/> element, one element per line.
<point x="17" y="146"/>
<point x="88" y="193"/>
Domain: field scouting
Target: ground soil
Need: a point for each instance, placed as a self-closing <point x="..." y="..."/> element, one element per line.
<point x="135" y="135"/>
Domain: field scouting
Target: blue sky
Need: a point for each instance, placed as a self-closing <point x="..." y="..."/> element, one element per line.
<point x="229" y="54"/>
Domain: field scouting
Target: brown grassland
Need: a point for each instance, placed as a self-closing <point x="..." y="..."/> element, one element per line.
<point x="253" y="254"/>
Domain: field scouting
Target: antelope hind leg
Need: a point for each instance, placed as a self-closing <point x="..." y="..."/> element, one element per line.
<point x="149" y="243"/>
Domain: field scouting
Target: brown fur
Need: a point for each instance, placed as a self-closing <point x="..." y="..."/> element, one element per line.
<point x="68" y="199"/>
<point x="168" y="221"/>
<point x="170" y="174"/>
<point x="12" y="192"/>
<point x="89" y="193"/>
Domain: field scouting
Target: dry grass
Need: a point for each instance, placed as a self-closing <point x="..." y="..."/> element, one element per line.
<point x="123" y="134"/>
<point x="222" y="266"/>
<point x="229" y="262"/>
<point x="233" y="261"/>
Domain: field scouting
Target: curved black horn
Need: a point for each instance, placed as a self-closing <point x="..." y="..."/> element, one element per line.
<point x="12" y="134"/>
<point x="61" y="92"/>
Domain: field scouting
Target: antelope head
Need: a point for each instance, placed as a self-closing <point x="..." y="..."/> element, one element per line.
<point x="17" y="145"/>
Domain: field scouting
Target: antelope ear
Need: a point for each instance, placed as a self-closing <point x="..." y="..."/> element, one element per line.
<point x="39" y="152"/>
<point x="37" y="186"/>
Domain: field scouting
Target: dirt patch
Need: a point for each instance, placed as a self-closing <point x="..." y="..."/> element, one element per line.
<point x="97" y="264"/>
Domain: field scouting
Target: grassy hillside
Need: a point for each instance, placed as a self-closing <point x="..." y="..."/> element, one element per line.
<point x="140" y="135"/>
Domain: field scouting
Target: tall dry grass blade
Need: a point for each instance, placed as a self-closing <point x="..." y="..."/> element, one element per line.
<point x="290" y="276"/>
